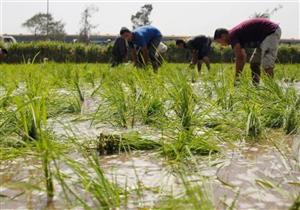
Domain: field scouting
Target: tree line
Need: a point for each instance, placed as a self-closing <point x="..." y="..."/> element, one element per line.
<point x="45" y="25"/>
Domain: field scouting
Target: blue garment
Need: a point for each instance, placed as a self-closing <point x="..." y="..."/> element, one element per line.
<point x="142" y="36"/>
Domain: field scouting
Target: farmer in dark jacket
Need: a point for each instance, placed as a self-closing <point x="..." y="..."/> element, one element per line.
<point x="119" y="51"/>
<point x="259" y="33"/>
<point x="200" y="47"/>
<point x="147" y="39"/>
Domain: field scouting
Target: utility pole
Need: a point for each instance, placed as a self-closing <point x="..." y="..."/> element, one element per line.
<point x="47" y="17"/>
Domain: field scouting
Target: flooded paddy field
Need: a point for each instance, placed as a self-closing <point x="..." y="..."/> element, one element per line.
<point x="91" y="137"/>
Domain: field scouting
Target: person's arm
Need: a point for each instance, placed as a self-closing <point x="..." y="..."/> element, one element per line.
<point x="240" y="58"/>
<point x="145" y="54"/>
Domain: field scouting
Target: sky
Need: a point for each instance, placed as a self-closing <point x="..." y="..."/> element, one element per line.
<point x="172" y="17"/>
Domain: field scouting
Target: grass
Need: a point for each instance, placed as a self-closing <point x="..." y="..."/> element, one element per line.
<point x="187" y="119"/>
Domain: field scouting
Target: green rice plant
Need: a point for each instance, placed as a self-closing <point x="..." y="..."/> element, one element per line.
<point x="90" y="187"/>
<point x="197" y="196"/>
<point x="31" y="107"/>
<point x="7" y="120"/>
<point x="150" y="107"/>
<point x="279" y="104"/>
<point x="90" y="77"/>
<point x="110" y="144"/>
<point x="76" y="83"/>
<point x="30" y="119"/>
<point x="115" y="103"/>
<point x="72" y="101"/>
<point x="292" y="122"/>
<point x="5" y="99"/>
<point x="223" y="89"/>
<point x="154" y="110"/>
<point x="33" y="127"/>
<point x="296" y="204"/>
<point x="183" y="99"/>
<point x="254" y="127"/>
<point x="185" y="143"/>
<point x="135" y="93"/>
<point x="186" y="114"/>
<point x="122" y="95"/>
<point x="63" y="104"/>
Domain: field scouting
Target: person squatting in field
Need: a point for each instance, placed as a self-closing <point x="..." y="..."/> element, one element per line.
<point x="200" y="47"/>
<point x="119" y="52"/>
<point x="3" y="53"/>
<point x="147" y="39"/>
<point x="259" y="33"/>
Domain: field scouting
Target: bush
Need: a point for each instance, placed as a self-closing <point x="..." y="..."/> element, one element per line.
<point x="80" y="53"/>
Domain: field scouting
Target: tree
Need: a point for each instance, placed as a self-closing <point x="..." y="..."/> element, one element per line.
<point x="43" y="24"/>
<point x="86" y="25"/>
<point x="141" y="18"/>
<point x="267" y="13"/>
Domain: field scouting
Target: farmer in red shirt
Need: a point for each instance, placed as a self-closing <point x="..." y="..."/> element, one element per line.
<point x="259" y="33"/>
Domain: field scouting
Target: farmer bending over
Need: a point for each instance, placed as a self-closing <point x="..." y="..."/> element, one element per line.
<point x="258" y="33"/>
<point x="119" y="52"/>
<point x="3" y="53"/>
<point x="200" y="47"/>
<point x="147" y="38"/>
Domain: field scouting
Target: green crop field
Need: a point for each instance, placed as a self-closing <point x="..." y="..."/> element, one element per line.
<point x="91" y="137"/>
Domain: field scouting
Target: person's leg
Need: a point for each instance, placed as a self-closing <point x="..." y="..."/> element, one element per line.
<point x="205" y="52"/>
<point x="207" y="62"/>
<point x="199" y="65"/>
<point x="269" y="52"/>
<point x="152" y="47"/>
<point x="255" y="61"/>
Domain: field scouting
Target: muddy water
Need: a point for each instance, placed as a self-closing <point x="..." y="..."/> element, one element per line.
<point x="242" y="173"/>
<point x="258" y="176"/>
<point x="262" y="176"/>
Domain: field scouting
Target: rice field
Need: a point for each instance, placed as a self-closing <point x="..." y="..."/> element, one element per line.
<point x="85" y="136"/>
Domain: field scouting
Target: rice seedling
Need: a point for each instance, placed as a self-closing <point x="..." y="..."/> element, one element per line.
<point x="195" y="195"/>
<point x="110" y="144"/>
<point x="127" y="99"/>
<point x="183" y="99"/>
<point x="296" y="204"/>
<point x="115" y="100"/>
<point x="224" y="89"/>
<point x="254" y="126"/>
<point x="279" y="105"/>
<point x="185" y="143"/>
<point x="29" y="120"/>
<point x="291" y="124"/>
<point x="91" y="188"/>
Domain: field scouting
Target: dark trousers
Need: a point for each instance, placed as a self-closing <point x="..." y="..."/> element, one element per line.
<point x="155" y="57"/>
